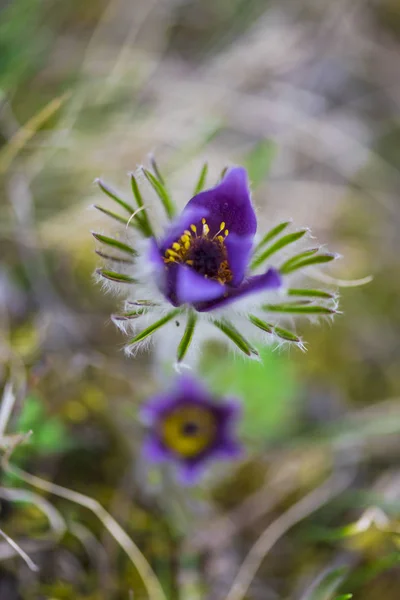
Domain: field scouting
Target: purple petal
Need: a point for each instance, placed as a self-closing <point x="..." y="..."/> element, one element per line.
<point x="155" y="256"/>
<point x="153" y="450"/>
<point x="189" y="473"/>
<point x="229" y="450"/>
<point x="239" y="251"/>
<point x="192" y="389"/>
<point x="192" y="287"/>
<point x="191" y="214"/>
<point x="151" y="411"/>
<point x="228" y="202"/>
<point x="268" y="281"/>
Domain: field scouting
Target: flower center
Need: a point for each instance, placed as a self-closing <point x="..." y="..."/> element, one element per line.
<point x="204" y="254"/>
<point x="189" y="431"/>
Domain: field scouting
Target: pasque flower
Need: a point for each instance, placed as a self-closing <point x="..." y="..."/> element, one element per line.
<point x="190" y="428"/>
<point x="206" y="268"/>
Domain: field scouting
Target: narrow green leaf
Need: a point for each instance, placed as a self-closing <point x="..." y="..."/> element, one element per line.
<point x="290" y="238"/>
<point x="233" y="334"/>
<point x="154" y="326"/>
<point x="157" y="170"/>
<point x="313" y="260"/>
<point x="117" y="217"/>
<point x="344" y="597"/>
<point x="310" y="293"/>
<point x="259" y="161"/>
<point x="299" y="309"/>
<point x="187" y="336"/>
<point x="114" y="196"/>
<point x="326" y="587"/>
<point x="142" y="303"/>
<point x="272" y="233"/>
<point x="113" y="243"/>
<point x="118" y="259"/>
<point x="297" y="257"/>
<point x="223" y="173"/>
<point x="134" y="314"/>
<point x="114" y="276"/>
<point x="278" y="331"/>
<point x="161" y="192"/>
<point x="261" y="324"/>
<point x="143" y="216"/>
<point x="287" y="335"/>
<point x="202" y="179"/>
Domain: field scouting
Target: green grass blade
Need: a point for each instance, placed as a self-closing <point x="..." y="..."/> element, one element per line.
<point x="187" y="336"/>
<point x="233" y="334"/>
<point x="202" y="180"/>
<point x="272" y="233"/>
<point x="284" y="241"/>
<point x="313" y="260"/>
<point x="114" y="196"/>
<point x="310" y="293"/>
<point x="154" y="327"/>
<point x="143" y="216"/>
<point x="161" y="192"/>
<point x="113" y="243"/>
<point x="114" y="276"/>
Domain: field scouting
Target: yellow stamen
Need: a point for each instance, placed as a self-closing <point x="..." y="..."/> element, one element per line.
<point x="190" y="262"/>
<point x="176" y="246"/>
<point x="187" y="232"/>
<point x="222" y="226"/>
<point x="226" y="232"/>
<point x="206" y="229"/>
<point x="172" y="253"/>
<point x="203" y="221"/>
<point x="185" y="239"/>
<point x="193" y="228"/>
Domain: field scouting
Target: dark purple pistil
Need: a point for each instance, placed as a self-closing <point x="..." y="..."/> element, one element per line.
<point x="190" y="429"/>
<point x="206" y="256"/>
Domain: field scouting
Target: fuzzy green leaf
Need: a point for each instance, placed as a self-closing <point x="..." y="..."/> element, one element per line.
<point x="187" y="336"/>
<point x="299" y="309"/>
<point x="157" y="170"/>
<point x="310" y="293"/>
<point x="134" y="314"/>
<point x="290" y="238"/>
<point x="271" y="234"/>
<point x="161" y="192"/>
<point x="113" y="243"/>
<point x="300" y="264"/>
<point x="261" y="324"/>
<point x="233" y="334"/>
<point x="154" y="327"/>
<point x="117" y="259"/>
<point x="116" y="217"/>
<point x="287" y="335"/>
<point x="259" y="160"/>
<point x="297" y="257"/>
<point x="143" y="217"/>
<point x="114" y="276"/>
<point x="202" y="179"/>
<point x="114" y="196"/>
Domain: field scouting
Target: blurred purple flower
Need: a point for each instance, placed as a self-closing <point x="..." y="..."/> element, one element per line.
<point x="190" y="428"/>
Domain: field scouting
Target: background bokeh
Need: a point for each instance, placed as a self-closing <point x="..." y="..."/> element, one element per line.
<point x="306" y="94"/>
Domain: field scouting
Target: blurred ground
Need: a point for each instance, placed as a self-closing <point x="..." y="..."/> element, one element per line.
<point x="90" y="89"/>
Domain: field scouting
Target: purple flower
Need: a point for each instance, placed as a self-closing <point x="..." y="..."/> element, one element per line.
<point x="189" y="427"/>
<point x="204" y="258"/>
<point x="205" y="275"/>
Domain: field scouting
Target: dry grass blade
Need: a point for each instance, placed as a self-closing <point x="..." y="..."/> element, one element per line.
<point x="296" y="513"/>
<point x="32" y="565"/>
<point x="23" y="135"/>
<point x="153" y="586"/>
